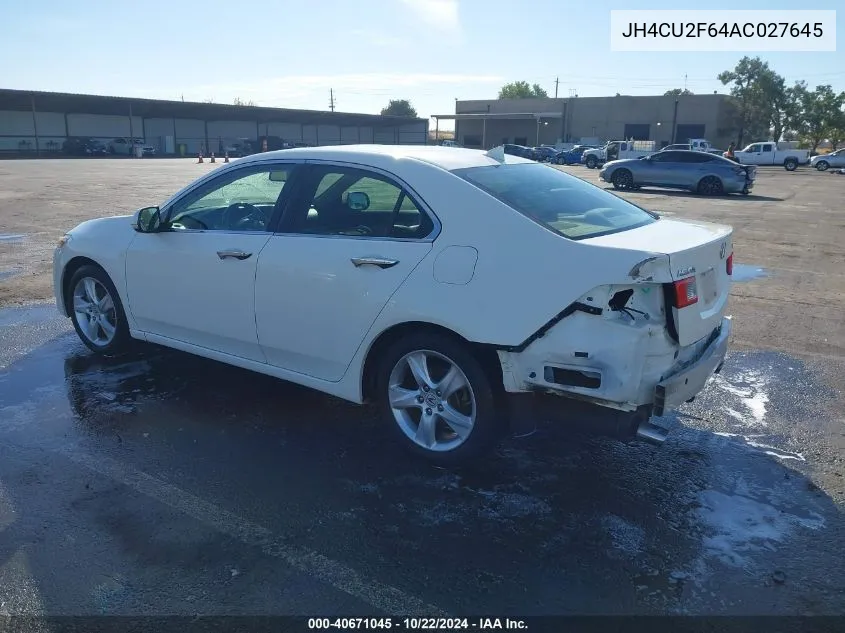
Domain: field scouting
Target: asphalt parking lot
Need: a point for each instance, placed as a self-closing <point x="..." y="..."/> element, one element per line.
<point x="161" y="483"/>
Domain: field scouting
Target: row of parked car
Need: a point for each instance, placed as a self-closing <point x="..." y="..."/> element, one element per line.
<point x="549" y="153"/>
<point x="87" y="146"/>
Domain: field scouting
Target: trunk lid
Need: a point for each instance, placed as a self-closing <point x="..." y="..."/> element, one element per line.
<point x="696" y="250"/>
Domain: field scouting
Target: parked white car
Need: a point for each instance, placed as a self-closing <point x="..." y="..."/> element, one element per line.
<point x="449" y="285"/>
<point x="122" y="145"/>
<point x="767" y="153"/>
<point x="823" y="162"/>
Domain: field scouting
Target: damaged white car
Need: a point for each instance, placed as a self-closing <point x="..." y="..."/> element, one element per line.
<point x="465" y="292"/>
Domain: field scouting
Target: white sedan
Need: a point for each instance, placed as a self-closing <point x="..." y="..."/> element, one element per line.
<point x="449" y="285"/>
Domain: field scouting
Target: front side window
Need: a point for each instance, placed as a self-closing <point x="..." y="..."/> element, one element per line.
<point x="562" y="203"/>
<point x="243" y="200"/>
<point x="754" y="148"/>
<point x="356" y="203"/>
<point x="665" y="157"/>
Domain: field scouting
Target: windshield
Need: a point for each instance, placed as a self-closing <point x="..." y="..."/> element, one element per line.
<point x="565" y="204"/>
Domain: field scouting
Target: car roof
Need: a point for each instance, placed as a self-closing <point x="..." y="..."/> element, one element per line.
<point x="449" y="158"/>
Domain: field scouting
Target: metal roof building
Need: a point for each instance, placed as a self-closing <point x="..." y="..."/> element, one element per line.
<point x="663" y="118"/>
<point x="41" y="121"/>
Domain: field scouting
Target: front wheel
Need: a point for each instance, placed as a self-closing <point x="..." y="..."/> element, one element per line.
<point x="591" y="162"/>
<point x="96" y="311"/>
<point x="623" y="180"/>
<point x="822" y="165"/>
<point x="438" y="400"/>
<point x="790" y="164"/>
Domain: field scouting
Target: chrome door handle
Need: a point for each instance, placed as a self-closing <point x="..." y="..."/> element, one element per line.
<point x="233" y="254"/>
<point x="381" y="262"/>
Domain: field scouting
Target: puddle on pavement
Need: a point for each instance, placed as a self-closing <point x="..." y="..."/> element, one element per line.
<point x="721" y="502"/>
<point x="5" y="274"/>
<point x="746" y="272"/>
<point x="11" y="237"/>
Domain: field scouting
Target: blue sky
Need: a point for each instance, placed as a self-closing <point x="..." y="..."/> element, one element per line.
<point x="289" y="53"/>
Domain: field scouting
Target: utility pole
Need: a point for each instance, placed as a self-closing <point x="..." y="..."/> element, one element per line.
<point x="331" y="99"/>
<point x="557" y="81"/>
<point x="685" y="82"/>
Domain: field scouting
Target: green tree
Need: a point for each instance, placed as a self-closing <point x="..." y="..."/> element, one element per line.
<point x="779" y="103"/>
<point x="521" y="90"/>
<point x="399" y="107"/>
<point x="677" y="92"/>
<point x="820" y="114"/>
<point x="836" y="127"/>
<point x="752" y="82"/>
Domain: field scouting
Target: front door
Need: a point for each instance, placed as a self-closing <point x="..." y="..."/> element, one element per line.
<point x="194" y="282"/>
<point x="344" y="247"/>
<point x="657" y="169"/>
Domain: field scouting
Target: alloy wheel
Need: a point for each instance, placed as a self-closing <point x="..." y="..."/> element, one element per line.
<point x="95" y="311"/>
<point x="431" y="400"/>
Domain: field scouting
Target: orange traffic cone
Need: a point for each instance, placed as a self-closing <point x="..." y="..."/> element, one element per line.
<point x="226" y="157"/>
<point x="212" y="158"/>
<point x="200" y="158"/>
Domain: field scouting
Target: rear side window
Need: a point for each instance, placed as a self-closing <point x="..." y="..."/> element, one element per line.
<point x="562" y="203"/>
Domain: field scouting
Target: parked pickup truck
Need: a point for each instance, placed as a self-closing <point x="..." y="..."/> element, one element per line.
<point x="617" y="150"/>
<point x="767" y="153"/>
<point x="694" y="144"/>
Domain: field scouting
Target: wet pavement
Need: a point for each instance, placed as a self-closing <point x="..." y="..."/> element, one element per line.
<point x="162" y="483"/>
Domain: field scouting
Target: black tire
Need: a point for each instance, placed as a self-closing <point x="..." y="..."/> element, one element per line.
<point x="710" y="186"/>
<point x="790" y="164"/>
<point x="822" y="165"/>
<point x="120" y="341"/>
<point x="623" y="180"/>
<point x="490" y="416"/>
<point x="591" y="162"/>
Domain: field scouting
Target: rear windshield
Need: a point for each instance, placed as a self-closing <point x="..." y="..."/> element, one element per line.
<point x="565" y="204"/>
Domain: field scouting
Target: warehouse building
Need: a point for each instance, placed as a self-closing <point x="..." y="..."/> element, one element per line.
<point x="40" y="122"/>
<point x="664" y="119"/>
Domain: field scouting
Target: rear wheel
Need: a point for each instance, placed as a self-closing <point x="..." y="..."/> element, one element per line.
<point x="623" y="179"/>
<point x="710" y="186"/>
<point x="96" y="311"/>
<point x="790" y="164"/>
<point x="822" y="165"/>
<point x="438" y="400"/>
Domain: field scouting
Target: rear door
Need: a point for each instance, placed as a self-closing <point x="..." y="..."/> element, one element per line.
<point x="767" y="154"/>
<point x="346" y="244"/>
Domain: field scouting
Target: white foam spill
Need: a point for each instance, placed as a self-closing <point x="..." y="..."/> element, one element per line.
<point x="736" y="525"/>
<point x="751" y="389"/>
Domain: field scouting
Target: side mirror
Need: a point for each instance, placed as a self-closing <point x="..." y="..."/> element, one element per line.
<point x="357" y="201"/>
<point x="148" y="220"/>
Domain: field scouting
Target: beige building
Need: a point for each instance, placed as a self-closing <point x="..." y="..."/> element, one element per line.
<point x="665" y="119"/>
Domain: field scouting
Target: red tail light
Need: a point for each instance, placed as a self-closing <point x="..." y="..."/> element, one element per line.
<point x="729" y="264"/>
<point x="686" y="292"/>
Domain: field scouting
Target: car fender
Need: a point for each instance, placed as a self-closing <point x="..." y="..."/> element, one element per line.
<point x="105" y="242"/>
